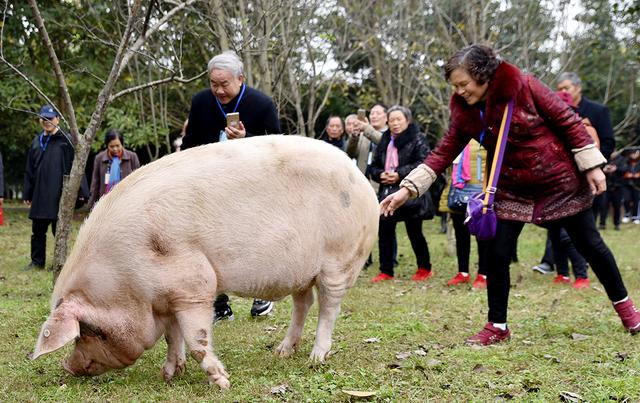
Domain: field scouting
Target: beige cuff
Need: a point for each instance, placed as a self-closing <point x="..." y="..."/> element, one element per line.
<point x="372" y="134"/>
<point x="419" y="180"/>
<point x="588" y="157"/>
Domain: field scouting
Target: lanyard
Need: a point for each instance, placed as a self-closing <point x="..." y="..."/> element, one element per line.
<point x="483" y="126"/>
<point x="237" y="102"/>
<point x="44" y="145"/>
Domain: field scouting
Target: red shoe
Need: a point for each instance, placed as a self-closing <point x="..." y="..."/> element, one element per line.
<point x="560" y="279"/>
<point x="422" y="275"/>
<point x="581" y="283"/>
<point x="481" y="282"/>
<point x="629" y="315"/>
<point x="459" y="279"/>
<point x="381" y="277"/>
<point x="489" y="335"/>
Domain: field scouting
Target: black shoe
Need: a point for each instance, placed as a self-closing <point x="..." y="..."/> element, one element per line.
<point x="222" y="314"/>
<point x="261" y="308"/>
<point x="33" y="266"/>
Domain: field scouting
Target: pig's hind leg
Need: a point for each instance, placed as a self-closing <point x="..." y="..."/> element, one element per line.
<point x="302" y="301"/>
<point x="195" y="324"/>
<point x="330" y="294"/>
<point x="175" y="363"/>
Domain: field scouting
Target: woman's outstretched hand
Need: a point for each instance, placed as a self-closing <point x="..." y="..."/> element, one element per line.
<point x="394" y="201"/>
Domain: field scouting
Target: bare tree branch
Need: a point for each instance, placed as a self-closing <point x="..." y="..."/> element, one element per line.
<point x="155" y="83"/>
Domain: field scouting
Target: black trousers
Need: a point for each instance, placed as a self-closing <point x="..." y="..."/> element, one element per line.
<point x="39" y="239"/>
<point x="587" y="240"/>
<point x="564" y="250"/>
<point x="614" y="198"/>
<point x="631" y="198"/>
<point x="599" y="208"/>
<point x="387" y="240"/>
<point x="463" y="246"/>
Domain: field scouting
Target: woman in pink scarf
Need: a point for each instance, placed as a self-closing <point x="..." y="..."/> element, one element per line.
<point x="401" y="149"/>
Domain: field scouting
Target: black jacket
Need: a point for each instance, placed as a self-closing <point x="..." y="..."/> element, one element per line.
<point x="412" y="151"/>
<point x="257" y="112"/>
<point x="598" y="114"/>
<point x="47" y="163"/>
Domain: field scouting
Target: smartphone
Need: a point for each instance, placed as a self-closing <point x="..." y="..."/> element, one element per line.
<point x="232" y="119"/>
<point x="362" y="115"/>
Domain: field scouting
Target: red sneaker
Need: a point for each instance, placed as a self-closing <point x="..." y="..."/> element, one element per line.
<point x="629" y="315"/>
<point x="581" y="283"/>
<point x="381" y="277"/>
<point x="459" y="279"/>
<point x="422" y="275"/>
<point x="489" y="335"/>
<point x="481" y="282"/>
<point x="560" y="279"/>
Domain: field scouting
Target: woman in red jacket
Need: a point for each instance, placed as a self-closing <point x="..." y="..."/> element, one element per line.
<point x="550" y="173"/>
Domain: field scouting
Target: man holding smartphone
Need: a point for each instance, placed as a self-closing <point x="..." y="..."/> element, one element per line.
<point x="230" y="110"/>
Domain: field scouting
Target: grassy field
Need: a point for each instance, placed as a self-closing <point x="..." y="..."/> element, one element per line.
<point x="400" y="340"/>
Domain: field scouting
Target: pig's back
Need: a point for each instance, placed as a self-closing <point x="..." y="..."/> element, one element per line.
<point x="273" y="209"/>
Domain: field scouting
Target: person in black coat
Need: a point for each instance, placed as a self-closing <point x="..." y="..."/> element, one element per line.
<point x="401" y="149"/>
<point x="600" y="119"/>
<point x="49" y="158"/>
<point x="1" y="182"/>
<point x="207" y="123"/>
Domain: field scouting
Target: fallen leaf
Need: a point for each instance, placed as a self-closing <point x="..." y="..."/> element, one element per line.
<point x="579" y="337"/>
<point x="531" y="386"/>
<point x="63" y="386"/>
<point x="479" y="368"/>
<point x="358" y="393"/>
<point x="433" y="363"/>
<point x="551" y="358"/>
<point x="280" y="389"/>
<point x="420" y="352"/>
<point x="570" y="397"/>
<point x="504" y="396"/>
<point x="372" y="340"/>
<point x="622" y="356"/>
<point x="270" y="329"/>
<point x="394" y="366"/>
<point x="404" y="355"/>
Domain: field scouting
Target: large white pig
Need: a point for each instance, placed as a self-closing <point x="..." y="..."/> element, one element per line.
<point x="262" y="217"/>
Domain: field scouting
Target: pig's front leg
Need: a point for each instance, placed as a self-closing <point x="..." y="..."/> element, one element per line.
<point x="329" y="299"/>
<point x="301" y="303"/>
<point x="195" y="324"/>
<point x="175" y="363"/>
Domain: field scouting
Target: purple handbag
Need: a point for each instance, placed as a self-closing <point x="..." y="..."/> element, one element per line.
<point x="480" y="218"/>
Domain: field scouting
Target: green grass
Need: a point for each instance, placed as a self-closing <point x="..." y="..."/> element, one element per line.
<point x="541" y="362"/>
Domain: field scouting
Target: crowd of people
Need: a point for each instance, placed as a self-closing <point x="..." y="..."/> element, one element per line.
<point x="559" y="171"/>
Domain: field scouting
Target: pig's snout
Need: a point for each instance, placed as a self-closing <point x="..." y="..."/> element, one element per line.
<point x="67" y="367"/>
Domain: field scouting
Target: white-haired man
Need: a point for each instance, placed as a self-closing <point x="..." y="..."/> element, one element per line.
<point x="228" y="93"/>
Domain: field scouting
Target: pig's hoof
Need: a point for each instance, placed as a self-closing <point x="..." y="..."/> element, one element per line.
<point x="171" y="370"/>
<point x="180" y="367"/>
<point x="318" y="355"/>
<point x="285" y="350"/>
<point x="218" y="376"/>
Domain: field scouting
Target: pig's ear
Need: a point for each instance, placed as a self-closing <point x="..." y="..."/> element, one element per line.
<point x="60" y="328"/>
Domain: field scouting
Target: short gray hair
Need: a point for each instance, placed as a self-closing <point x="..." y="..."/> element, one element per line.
<point x="352" y="116"/>
<point x="227" y="61"/>
<point x="405" y="111"/>
<point x="571" y="76"/>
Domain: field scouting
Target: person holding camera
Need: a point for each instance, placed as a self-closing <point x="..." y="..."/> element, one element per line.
<point x="230" y="109"/>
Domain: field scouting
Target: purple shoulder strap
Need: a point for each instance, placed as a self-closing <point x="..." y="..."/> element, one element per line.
<point x="497" y="163"/>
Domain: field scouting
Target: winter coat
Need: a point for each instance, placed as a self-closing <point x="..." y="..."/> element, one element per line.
<point x="539" y="181"/>
<point x="48" y="160"/>
<point x="412" y="149"/>
<point x="102" y="165"/>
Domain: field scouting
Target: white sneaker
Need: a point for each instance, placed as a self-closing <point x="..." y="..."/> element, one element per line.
<point x="637" y="222"/>
<point x="626" y="220"/>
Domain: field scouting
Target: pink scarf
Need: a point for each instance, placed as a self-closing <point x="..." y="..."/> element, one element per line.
<point x="465" y="160"/>
<point x="391" y="162"/>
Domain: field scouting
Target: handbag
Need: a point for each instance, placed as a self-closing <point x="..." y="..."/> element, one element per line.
<point x="459" y="197"/>
<point x="481" y="220"/>
<point x="419" y="208"/>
